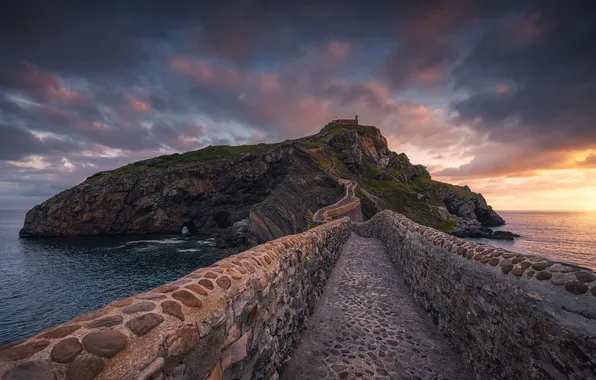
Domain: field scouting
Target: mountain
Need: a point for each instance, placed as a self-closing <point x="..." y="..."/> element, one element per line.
<point x="247" y="194"/>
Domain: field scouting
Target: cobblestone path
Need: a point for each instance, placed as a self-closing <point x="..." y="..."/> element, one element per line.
<point x="366" y="326"/>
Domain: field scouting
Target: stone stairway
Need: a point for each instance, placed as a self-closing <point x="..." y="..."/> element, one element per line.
<point x="367" y="326"/>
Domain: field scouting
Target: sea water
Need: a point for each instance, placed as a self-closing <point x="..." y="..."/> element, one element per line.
<point x="558" y="235"/>
<point x="47" y="281"/>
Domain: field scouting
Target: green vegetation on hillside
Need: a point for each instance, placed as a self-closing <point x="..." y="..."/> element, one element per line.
<point x="403" y="198"/>
<point x="206" y="155"/>
<point x="371" y="170"/>
<point x="423" y="184"/>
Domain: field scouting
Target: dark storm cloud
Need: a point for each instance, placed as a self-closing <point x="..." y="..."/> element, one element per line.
<point x="111" y="36"/>
<point x="533" y="77"/>
<point x="16" y="143"/>
<point x="158" y="103"/>
<point x="131" y="78"/>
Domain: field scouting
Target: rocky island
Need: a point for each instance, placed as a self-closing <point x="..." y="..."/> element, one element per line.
<point x="390" y="285"/>
<point x="244" y="195"/>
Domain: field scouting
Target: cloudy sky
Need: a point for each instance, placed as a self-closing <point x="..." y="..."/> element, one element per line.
<point x="498" y="95"/>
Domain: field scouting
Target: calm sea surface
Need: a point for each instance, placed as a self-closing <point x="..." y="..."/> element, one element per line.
<point x="558" y="235"/>
<point x="44" y="282"/>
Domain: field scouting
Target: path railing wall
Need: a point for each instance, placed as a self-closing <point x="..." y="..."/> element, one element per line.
<point x="349" y="205"/>
<point x="237" y="317"/>
<point x="511" y="316"/>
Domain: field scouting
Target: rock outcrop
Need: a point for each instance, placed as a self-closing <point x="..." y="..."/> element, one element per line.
<point x="249" y="194"/>
<point x="207" y="197"/>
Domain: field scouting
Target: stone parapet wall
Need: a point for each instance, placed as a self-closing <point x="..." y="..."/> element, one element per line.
<point x="341" y="210"/>
<point x="349" y="205"/>
<point x="511" y="316"/>
<point x="238" y="318"/>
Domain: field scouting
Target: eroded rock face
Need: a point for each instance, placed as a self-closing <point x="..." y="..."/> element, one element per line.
<point x="205" y="197"/>
<point x="247" y="195"/>
<point x="405" y="171"/>
<point x="466" y="204"/>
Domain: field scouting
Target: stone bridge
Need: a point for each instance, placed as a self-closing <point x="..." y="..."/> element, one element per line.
<point x="383" y="299"/>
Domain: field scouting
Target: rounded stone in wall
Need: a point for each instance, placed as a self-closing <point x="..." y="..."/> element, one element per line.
<point x="517" y="271"/>
<point x="224" y="282"/>
<point x="197" y="289"/>
<point x="576" y="287"/>
<point x="494" y="261"/>
<point x="235" y="275"/>
<point x="540" y="266"/>
<point x="66" y="350"/>
<point x="172" y="308"/>
<point x="544" y="275"/>
<point x="141" y="325"/>
<point x="507" y="268"/>
<point x="187" y="298"/>
<point x="559" y="279"/>
<point x="106" y="343"/>
<point x="109" y="321"/>
<point x="150" y="296"/>
<point x="207" y="284"/>
<point x="139" y="307"/>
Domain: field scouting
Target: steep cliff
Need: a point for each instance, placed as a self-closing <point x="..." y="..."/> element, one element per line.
<point x="247" y="194"/>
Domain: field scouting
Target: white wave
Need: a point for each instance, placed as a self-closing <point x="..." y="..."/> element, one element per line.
<point x="162" y="241"/>
<point x="188" y="250"/>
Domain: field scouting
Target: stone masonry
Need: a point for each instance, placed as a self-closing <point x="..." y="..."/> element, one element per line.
<point x="366" y="326"/>
<point x="505" y="315"/>
<point x="238" y="318"/>
<point x="510" y="316"/>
